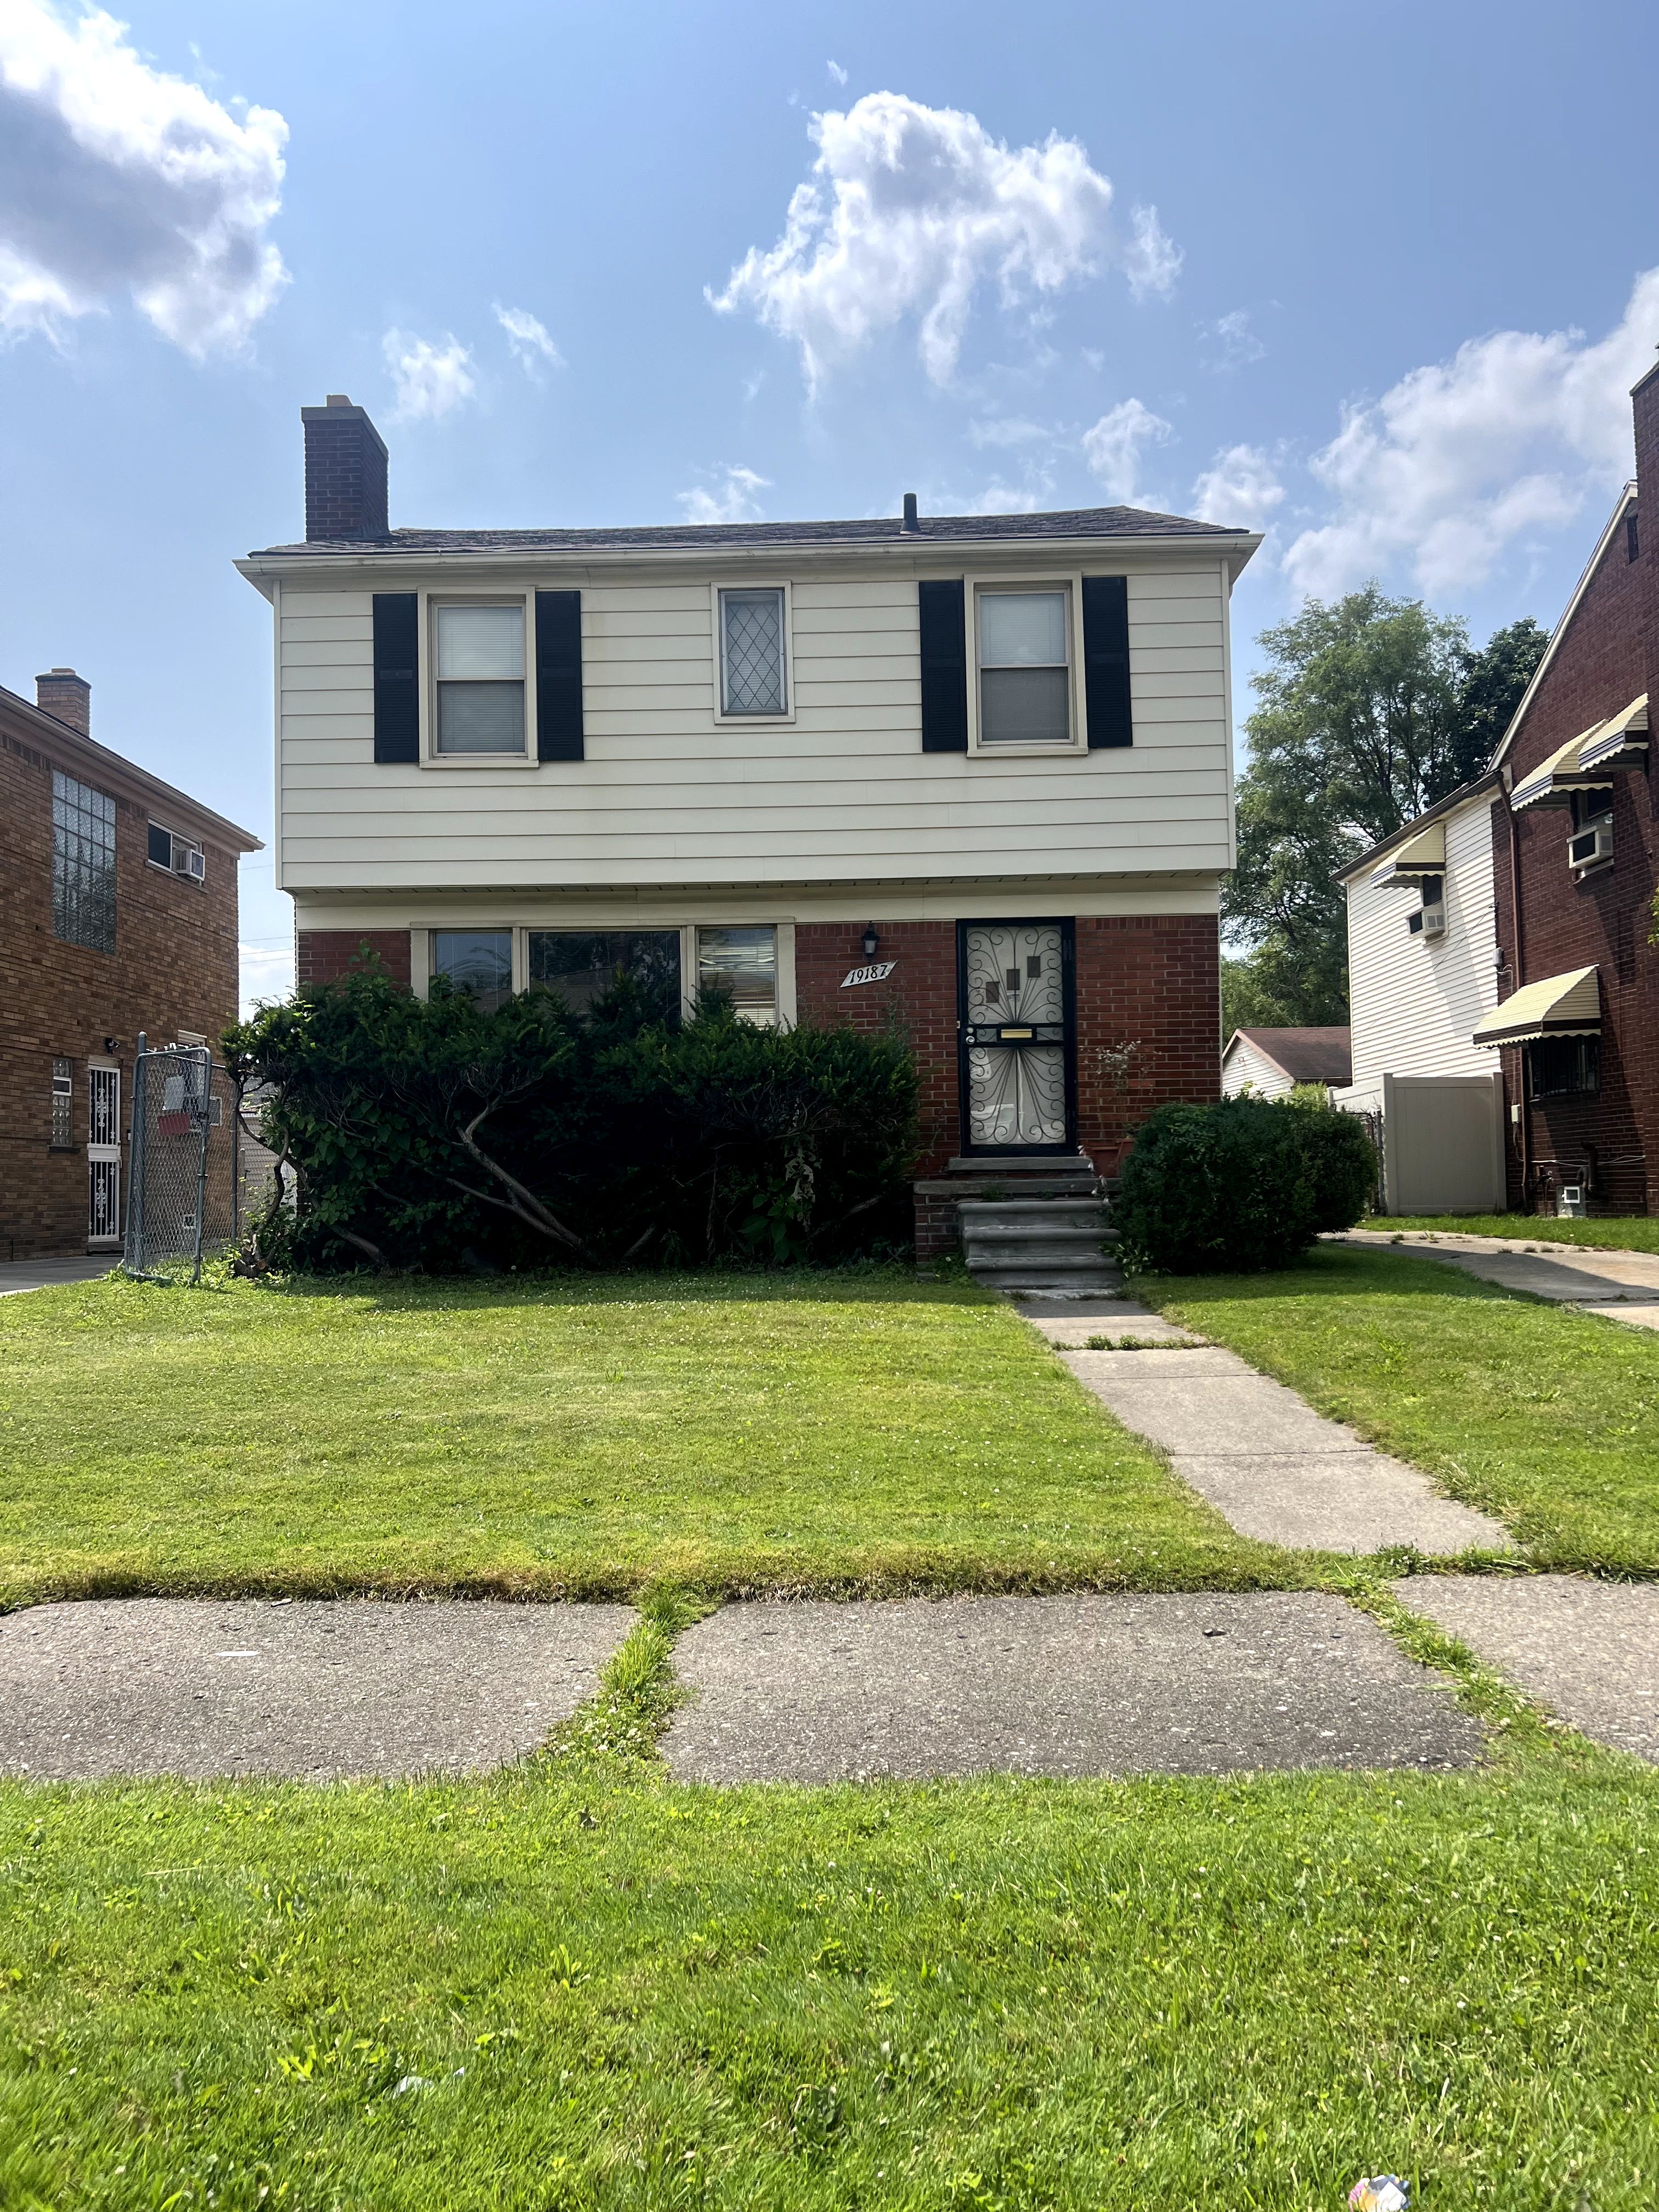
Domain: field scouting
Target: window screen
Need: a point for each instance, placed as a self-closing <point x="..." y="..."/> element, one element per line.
<point x="476" y="961"/>
<point x="742" y="964"/>
<point x="751" y="653"/>
<point x="83" y="865"/>
<point x="582" y="966"/>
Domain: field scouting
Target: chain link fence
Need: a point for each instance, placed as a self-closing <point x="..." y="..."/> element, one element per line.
<point x="184" y="1189"/>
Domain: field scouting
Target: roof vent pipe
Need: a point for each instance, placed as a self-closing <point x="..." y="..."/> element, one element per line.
<point x="909" y="527"/>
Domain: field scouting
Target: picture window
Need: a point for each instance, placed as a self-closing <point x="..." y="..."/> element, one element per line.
<point x="479" y="962"/>
<point x="583" y="965"/>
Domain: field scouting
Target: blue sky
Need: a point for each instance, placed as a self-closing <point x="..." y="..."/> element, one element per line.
<point x="1375" y="280"/>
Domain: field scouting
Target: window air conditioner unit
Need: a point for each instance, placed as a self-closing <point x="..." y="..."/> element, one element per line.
<point x="1434" y="921"/>
<point x="1591" y="847"/>
<point x="190" y="860"/>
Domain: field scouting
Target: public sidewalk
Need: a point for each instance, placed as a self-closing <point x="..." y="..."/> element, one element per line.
<point x="45" y="1274"/>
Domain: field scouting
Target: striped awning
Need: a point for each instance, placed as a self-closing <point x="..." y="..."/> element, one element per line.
<point x="1561" y="1005"/>
<point x="1588" y="761"/>
<point x="1424" y="854"/>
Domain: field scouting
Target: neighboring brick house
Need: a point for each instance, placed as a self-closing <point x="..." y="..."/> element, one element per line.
<point x="1575" y="867"/>
<point x="118" y="900"/>
<point x="971" y="774"/>
<point x="1504" y="983"/>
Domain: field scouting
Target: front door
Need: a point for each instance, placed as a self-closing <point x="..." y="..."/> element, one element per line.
<point x="103" y="1156"/>
<point x="1015" y="1023"/>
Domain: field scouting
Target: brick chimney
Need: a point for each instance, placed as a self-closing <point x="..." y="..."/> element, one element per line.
<point x="1644" y="399"/>
<point x="346" y="471"/>
<point x="60" y="691"/>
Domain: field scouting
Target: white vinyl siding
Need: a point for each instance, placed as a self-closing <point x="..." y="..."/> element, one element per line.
<point x="670" y="792"/>
<point x="1247" y="1068"/>
<point x="1415" y="1001"/>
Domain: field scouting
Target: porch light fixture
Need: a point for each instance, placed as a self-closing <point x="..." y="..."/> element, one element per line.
<point x="871" y="940"/>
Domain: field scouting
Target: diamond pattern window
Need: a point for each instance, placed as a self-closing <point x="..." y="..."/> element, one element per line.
<point x="752" y="653"/>
<point x="1024" y="678"/>
<point x="83" y="865"/>
<point x="480" y="670"/>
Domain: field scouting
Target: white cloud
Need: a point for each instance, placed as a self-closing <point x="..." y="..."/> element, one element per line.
<point x="837" y="71"/>
<point x="908" y="210"/>
<point x="1240" y="488"/>
<point x="732" y="499"/>
<point x="1113" y="446"/>
<point x="116" y="179"/>
<point x="1235" y="344"/>
<point x="1006" y="430"/>
<point x="527" y="335"/>
<point x="430" y="380"/>
<point x="1461" y="458"/>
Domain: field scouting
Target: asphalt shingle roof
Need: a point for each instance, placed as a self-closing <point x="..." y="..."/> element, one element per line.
<point x="936" y="529"/>
<point x="1307" y="1055"/>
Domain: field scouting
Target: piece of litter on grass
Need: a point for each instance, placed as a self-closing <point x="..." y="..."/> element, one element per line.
<point x="1379" y="2192"/>
<point x="419" y="2082"/>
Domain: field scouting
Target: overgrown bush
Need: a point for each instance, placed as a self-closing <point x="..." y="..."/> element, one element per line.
<point x="1240" y="1186"/>
<point x="435" y="1133"/>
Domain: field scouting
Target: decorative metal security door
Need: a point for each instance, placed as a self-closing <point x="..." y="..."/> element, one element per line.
<point x="1015" y="1022"/>
<point x="103" y="1156"/>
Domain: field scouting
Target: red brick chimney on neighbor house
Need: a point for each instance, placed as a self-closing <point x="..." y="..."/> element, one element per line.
<point x="345" y="472"/>
<point x="60" y="691"/>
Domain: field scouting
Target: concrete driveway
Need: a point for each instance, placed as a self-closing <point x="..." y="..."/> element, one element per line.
<point x="45" y="1274"/>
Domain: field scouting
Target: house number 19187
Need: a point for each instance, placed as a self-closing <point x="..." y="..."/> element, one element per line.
<point x="877" y="974"/>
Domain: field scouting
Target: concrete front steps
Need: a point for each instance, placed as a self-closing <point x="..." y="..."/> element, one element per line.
<point x="1044" y="1248"/>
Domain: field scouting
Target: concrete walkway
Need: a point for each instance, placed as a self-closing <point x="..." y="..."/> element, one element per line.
<point x="1618" y="1286"/>
<point x="311" y="1689"/>
<point x="45" y="1275"/>
<point x="1195" y="1684"/>
<point x="1589" y="1649"/>
<point x="1262" y="1456"/>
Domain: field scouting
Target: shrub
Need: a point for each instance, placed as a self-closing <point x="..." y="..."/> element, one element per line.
<point x="1242" y="1185"/>
<point x="433" y="1133"/>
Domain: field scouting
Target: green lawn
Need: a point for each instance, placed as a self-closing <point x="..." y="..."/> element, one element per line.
<point x="827" y="1432"/>
<point x="1548" y="1418"/>
<point x="545" y="1990"/>
<point x="1629" y="1233"/>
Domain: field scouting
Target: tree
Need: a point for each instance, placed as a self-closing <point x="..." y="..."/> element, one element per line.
<point x="1371" y="710"/>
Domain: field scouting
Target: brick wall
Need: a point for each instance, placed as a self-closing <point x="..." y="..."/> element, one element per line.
<point x="173" y="968"/>
<point x="1149" y="982"/>
<point x="323" y="956"/>
<point x="1606" y="657"/>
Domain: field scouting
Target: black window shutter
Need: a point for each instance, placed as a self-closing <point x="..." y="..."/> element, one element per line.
<point x="558" y="676"/>
<point x="944" y="666"/>
<point x="396" y="681"/>
<point x="1106" y="660"/>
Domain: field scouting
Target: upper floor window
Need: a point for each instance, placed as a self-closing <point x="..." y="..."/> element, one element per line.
<point x="179" y="856"/>
<point x="479" y="661"/>
<point x="476" y="961"/>
<point x="753" y="665"/>
<point x="1024" y="668"/>
<point x="83" y="865"/>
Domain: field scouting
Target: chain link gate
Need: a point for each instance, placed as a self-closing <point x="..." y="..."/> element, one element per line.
<point x="182" y="1200"/>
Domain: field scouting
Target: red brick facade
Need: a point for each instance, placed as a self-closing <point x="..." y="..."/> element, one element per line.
<point x="1607" y="654"/>
<point x="1148" y="1016"/>
<point x="323" y="956"/>
<point x="174" y="970"/>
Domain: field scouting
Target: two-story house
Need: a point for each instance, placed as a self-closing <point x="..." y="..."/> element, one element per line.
<point x="118" y="899"/>
<point x="1504" y="980"/>
<point x="967" y="773"/>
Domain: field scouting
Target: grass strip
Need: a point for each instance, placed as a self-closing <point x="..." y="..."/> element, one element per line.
<point x="1547" y="1418"/>
<point x="839" y="1434"/>
<point x="1626" y="1233"/>
<point x="538" y="1990"/>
